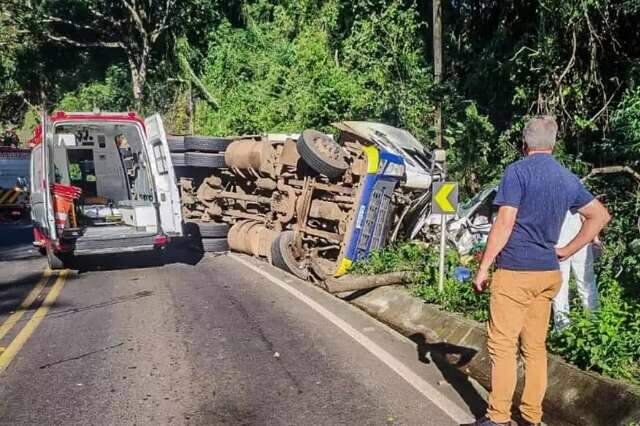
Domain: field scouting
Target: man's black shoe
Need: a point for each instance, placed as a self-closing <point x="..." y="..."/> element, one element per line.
<point x="486" y="421"/>
<point x="525" y="422"/>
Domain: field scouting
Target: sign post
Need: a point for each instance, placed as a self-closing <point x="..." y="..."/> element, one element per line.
<point x="444" y="202"/>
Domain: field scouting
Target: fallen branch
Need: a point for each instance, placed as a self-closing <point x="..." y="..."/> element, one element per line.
<point x="191" y="75"/>
<point x="611" y="170"/>
<point x="363" y="282"/>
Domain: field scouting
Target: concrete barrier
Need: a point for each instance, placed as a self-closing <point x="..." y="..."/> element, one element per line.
<point x="574" y="396"/>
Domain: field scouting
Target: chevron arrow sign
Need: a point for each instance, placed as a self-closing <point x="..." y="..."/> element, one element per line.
<point x="445" y="198"/>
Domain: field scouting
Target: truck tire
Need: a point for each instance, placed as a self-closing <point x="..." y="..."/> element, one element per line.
<point x="215" y="245"/>
<point x="176" y="143"/>
<point x="55" y="261"/>
<point x="212" y="229"/>
<point x="178" y="160"/>
<point x="206" y="143"/>
<point x="282" y="256"/>
<point x="322" y="154"/>
<point x="200" y="159"/>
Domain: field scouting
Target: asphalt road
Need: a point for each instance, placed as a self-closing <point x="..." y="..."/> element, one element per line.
<point x="206" y="341"/>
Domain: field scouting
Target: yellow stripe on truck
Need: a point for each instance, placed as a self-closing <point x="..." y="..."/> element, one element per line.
<point x="373" y="158"/>
<point x="6" y="196"/>
<point x="14" y="197"/>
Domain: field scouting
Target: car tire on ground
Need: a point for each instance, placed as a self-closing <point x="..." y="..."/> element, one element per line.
<point x="176" y="143"/>
<point x="322" y="154"/>
<point x="283" y="258"/>
<point x="178" y="159"/>
<point x="201" y="159"/>
<point x="212" y="229"/>
<point x="206" y="143"/>
<point x="215" y="245"/>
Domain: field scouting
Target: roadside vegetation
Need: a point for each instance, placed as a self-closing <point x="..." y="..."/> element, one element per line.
<point x="239" y="66"/>
<point x="606" y="342"/>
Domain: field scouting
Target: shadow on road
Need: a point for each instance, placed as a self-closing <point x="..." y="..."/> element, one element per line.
<point x="448" y="358"/>
<point x="13" y="291"/>
<point x="176" y="253"/>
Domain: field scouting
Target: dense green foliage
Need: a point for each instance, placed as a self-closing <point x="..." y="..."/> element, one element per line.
<point x="284" y="65"/>
<point x="287" y="70"/>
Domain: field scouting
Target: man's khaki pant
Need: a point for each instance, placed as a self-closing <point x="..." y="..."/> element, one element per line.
<point x="520" y="308"/>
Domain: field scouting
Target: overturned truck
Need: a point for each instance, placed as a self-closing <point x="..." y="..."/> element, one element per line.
<point x="309" y="203"/>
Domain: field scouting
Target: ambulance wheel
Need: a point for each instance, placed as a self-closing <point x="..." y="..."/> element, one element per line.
<point x="322" y="153"/>
<point x="282" y="256"/>
<point x="55" y="260"/>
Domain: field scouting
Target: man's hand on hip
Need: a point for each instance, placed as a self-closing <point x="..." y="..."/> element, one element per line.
<point x="563" y="254"/>
<point x="596" y="217"/>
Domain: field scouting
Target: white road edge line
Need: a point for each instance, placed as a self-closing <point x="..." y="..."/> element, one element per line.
<point x="431" y="393"/>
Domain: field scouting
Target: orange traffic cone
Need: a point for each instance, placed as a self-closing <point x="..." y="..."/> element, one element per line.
<point x="63" y="204"/>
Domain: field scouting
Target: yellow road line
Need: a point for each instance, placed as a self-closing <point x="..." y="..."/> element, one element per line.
<point x="14" y="347"/>
<point x="26" y="304"/>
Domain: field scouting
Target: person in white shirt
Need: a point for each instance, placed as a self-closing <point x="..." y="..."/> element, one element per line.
<point x="581" y="264"/>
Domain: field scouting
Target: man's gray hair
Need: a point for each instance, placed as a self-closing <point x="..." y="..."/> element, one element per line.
<point x="540" y="133"/>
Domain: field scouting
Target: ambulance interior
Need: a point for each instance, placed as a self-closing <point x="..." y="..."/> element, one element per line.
<point x="109" y="164"/>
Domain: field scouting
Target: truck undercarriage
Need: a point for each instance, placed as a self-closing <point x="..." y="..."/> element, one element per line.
<point x="307" y="203"/>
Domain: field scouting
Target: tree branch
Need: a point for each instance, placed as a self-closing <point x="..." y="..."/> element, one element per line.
<point x="606" y="105"/>
<point x="191" y="75"/>
<point x="104" y="17"/>
<point x="55" y="19"/>
<point x="135" y="16"/>
<point x="84" y="44"/>
<point x="162" y="24"/>
<point x="611" y="170"/>
<point x="572" y="60"/>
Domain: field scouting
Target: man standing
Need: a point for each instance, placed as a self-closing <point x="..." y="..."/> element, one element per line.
<point x="533" y="198"/>
<point x="581" y="264"/>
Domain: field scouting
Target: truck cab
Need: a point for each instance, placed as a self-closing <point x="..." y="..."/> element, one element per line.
<point x="102" y="183"/>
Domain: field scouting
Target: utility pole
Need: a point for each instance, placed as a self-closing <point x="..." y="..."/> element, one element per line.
<point x="437" y="123"/>
<point x="437" y="65"/>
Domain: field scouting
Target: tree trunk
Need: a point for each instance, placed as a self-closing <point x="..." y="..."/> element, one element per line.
<point x="136" y="85"/>
<point x="138" y="81"/>
<point x="138" y="68"/>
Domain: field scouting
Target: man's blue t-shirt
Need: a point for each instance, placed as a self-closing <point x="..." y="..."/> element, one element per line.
<point x="542" y="190"/>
